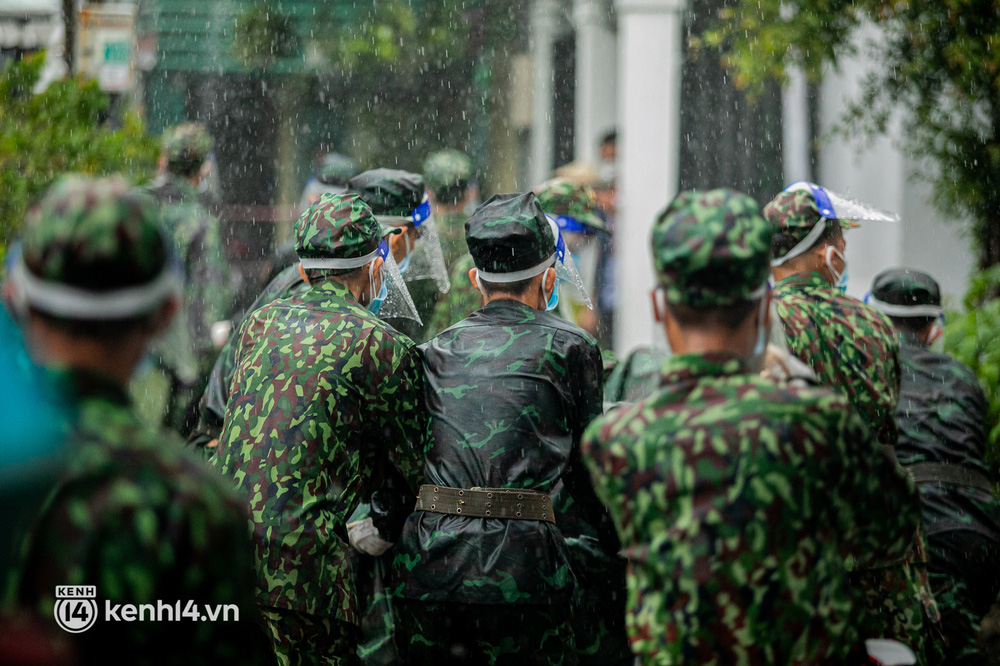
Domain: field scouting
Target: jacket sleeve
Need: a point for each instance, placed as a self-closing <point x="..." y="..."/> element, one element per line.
<point x="406" y="423"/>
<point x="876" y="503"/>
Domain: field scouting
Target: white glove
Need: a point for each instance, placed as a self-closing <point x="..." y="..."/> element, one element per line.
<point x="364" y="537"/>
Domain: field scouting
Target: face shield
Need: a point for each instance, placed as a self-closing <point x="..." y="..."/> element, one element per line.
<point x="567" y="270"/>
<point x="425" y="260"/>
<point x="395" y="298"/>
<point x="832" y="206"/>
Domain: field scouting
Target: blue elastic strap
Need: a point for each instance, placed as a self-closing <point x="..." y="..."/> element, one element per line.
<point x="421" y="213"/>
<point x="868" y="296"/>
<point x="560" y="248"/>
<point x="823" y="201"/>
<point x="566" y="223"/>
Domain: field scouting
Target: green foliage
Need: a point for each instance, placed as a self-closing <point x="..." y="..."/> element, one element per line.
<point x="937" y="60"/>
<point x="59" y="130"/>
<point x="971" y="337"/>
<point x="263" y="34"/>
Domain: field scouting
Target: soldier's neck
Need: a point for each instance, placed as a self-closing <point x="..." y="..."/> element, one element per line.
<point x="54" y="347"/>
<point x="690" y="340"/>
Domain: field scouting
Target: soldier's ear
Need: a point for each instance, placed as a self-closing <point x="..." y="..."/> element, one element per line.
<point x="656" y="296"/>
<point x="302" y="274"/>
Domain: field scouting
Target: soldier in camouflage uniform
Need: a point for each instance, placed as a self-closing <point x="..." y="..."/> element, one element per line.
<point x="326" y="407"/>
<point x="448" y="175"/>
<point x="509" y="391"/>
<point x="134" y="514"/>
<point x="852" y="348"/>
<point x="561" y="199"/>
<point x="186" y="352"/>
<point x="737" y="498"/>
<point x="941" y="418"/>
<point x="394" y="196"/>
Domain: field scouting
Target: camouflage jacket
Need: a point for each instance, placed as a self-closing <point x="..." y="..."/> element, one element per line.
<point x="737" y="500"/>
<point x="326" y="402"/>
<point x="461" y="300"/>
<point x="451" y="231"/>
<point x="941" y="416"/>
<point x="145" y="521"/>
<point x="212" y="405"/>
<point x="509" y="392"/>
<point x="850" y="346"/>
<point x="195" y="232"/>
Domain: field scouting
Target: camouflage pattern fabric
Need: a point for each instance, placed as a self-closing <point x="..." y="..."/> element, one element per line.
<point x="325" y="398"/>
<point x="389" y="191"/>
<point x="336" y="169"/>
<point x="185" y="352"/>
<point x="509" y="233"/>
<point x="550" y="372"/>
<point x="794" y="213"/>
<point x="636" y="377"/>
<point x="338" y="226"/>
<point x="186" y="147"/>
<point x="144" y="521"/>
<point x="450" y="634"/>
<point x="562" y="197"/>
<point x="448" y="173"/>
<point x="461" y="300"/>
<point x="94" y="234"/>
<point x="307" y="640"/>
<point x="705" y="244"/>
<point x="212" y="405"/>
<point x="849" y="345"/>
<point x="451" y="231"/>
<point x="941" y="414"/>
<point x="716" y="483"/>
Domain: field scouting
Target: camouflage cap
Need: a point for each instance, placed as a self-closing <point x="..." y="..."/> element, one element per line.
<point x="93" y="249"/>
<point x="389" y="192"/>
<point x="904" y="292"/>
<point x="447" y="173"/>
<point x="337" y="226"/>
<point x="186" y="147"/>
<point x="336" y="169"/>
<point x="509" y="234"/>
<point x="794" y="212"/>
<point x="711" y="249"/>
<point x="562" y="198"/>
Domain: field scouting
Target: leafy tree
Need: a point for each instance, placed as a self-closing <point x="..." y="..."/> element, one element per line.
<point x="938" y="62"/>
<point x="63" y="129"/>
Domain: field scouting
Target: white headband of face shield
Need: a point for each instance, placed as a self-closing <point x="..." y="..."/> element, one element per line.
<point x="337" y="263"/>
<point x="63" y="300"/>
<point x="516" y="276"/>
<point x="893" y="310"/>
<point x="804" y="244"/>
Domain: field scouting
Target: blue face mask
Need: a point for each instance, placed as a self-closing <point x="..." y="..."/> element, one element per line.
<point x="376" y="303"/>
<point x="405" y="263"/>
<point x="841" y="278"/>
<point x="554" y="298"/>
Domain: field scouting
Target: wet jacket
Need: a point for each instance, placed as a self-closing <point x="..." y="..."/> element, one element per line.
<point x="737" y="500"/>
<point x="147" y="522"/>
<point x="509" y="390"/>
<point x="850" y="346"/>
<point x="326" y="405"/>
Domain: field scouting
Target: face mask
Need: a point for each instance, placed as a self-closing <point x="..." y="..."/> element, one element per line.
<point x="405" y="263"/>
<point x="376" y="302"/>
<point x="553" y="301"/>
<point x="840" y="279"/>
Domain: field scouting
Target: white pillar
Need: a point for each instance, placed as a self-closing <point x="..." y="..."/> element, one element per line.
<point x="596" y="77"/>
<point x="650" y="59"/>
<point x="795" y="130"/>
<point x="544" y="23"/>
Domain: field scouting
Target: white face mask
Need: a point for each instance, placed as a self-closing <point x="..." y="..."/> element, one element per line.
<point x="839" y="279"/>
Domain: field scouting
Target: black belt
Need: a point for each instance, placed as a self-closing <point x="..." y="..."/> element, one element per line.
<point x="505" y="503"/>
<point x="949" y="473"/>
